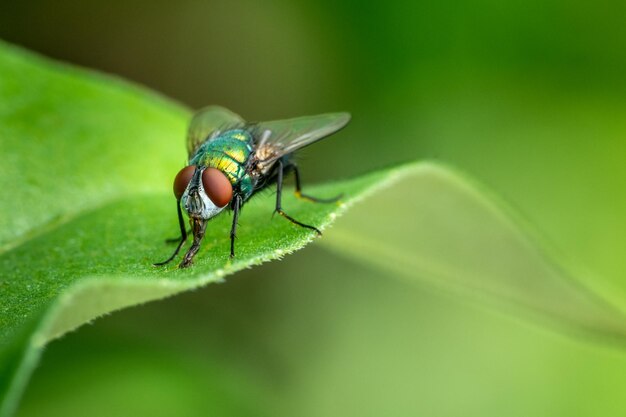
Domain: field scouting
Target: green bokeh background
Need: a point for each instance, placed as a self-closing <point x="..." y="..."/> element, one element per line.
<point x="527" y="96"/>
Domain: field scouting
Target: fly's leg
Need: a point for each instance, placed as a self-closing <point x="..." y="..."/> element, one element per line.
<point x="176" y="239"/>
<point x="198" y="228"/>
<point x="298" y="192"/>
<point x="233" y="230"/>
<point x="279" y="210"/>
<point x="182" y="239"/>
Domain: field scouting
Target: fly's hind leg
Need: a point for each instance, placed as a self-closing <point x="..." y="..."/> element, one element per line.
<point x="299" y="194"/>
<point x="279" y="191"/>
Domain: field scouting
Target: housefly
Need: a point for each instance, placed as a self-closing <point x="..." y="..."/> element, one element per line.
<point x="231" y="160"/>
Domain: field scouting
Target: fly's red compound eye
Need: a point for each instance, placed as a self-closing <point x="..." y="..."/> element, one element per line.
<point x="217" y="186"/>
<point x="182" y="180"/>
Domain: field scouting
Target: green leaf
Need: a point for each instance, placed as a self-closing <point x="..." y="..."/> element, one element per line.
<point x="453" y="234"/>
<point x="87" y="166"/>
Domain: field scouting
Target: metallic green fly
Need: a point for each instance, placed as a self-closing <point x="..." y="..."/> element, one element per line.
<point x="231" y="160"/>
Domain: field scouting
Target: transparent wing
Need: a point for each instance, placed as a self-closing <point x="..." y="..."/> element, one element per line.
<point x="281" y="137"/>
<point x="208" y="121"/>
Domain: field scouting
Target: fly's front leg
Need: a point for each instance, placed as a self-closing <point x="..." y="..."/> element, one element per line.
<point x="198" y="227"/>
<point x="183" y="236"/>
<point x="176" y="239"/>
<point x="279" y="210"/>
<point x="298" y="192"/>
<point x="233" y="230"/>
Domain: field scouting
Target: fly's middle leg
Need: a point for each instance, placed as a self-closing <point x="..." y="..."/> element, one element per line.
<point x="233" y="230"/>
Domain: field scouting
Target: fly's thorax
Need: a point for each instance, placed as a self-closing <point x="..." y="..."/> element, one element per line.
<point x="229" y="153"/>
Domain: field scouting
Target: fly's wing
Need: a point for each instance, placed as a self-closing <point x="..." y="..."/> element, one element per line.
<point x="281" y="137"/>
<point x="207" y="123"/>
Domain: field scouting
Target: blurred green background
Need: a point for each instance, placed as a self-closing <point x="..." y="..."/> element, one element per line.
<point x="527" y="96"/>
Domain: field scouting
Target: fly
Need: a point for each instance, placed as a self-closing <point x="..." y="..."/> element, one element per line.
<point x="231" y="160"/>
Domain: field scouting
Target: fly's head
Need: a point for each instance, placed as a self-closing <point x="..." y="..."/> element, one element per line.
<point x="203" y="191"/>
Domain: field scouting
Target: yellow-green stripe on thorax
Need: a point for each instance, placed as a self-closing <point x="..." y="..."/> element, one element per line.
<point x="228" y="152"/>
